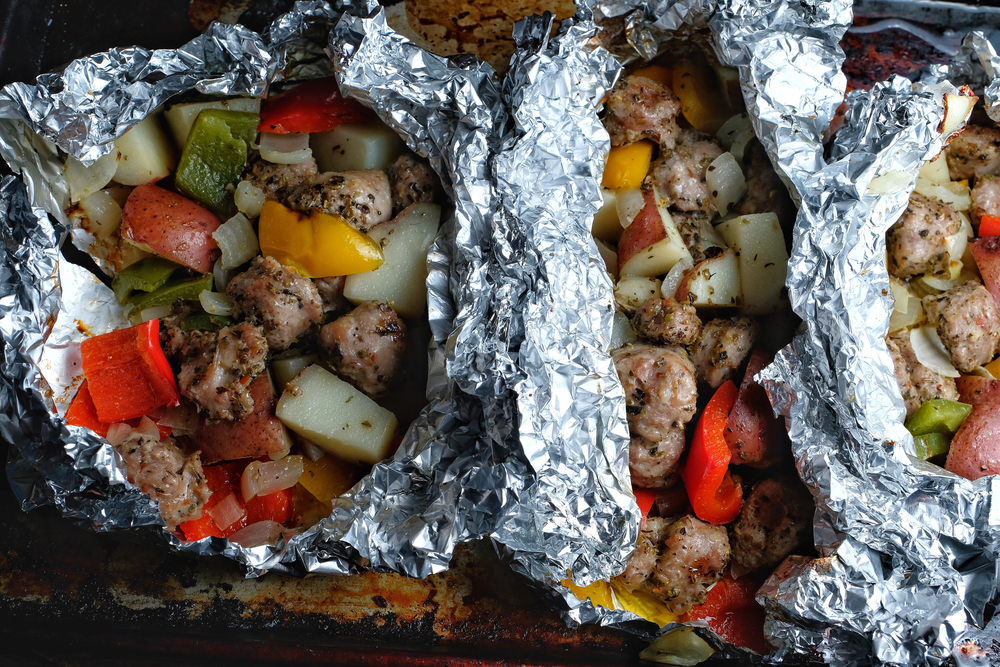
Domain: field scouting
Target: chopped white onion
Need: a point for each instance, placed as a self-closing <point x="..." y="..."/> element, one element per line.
<point x="227" y="512"/>
<point x="260" y="479"/>
<point x="285" y="148"/>
<point x="256" y="534"/>
<point x="104" y="213"/>
<point x="954" y="194"/>
<point x="735" y="134"/>
<point x="930" y="351"/>
<point x="154" y="313"/>
<point x="628" y="203"/>
<point x="673" y="278"/>
<point x="726" y="184"/>
<point x="84" y="181"/>
<point x="943" y="284"/>
<point x="621" y="331"/>
<point x="891" y="181"/>
<point x="221" y="275"/>
<point x="215" y="303"/>
<point x="900" y="296"/>
<point x="249" y="199"/>
<point x="237" y="240"/>
<point x="957" y="242"/>
<point x="181" y="420"/>
<point x="312" y="451"/>
<point x="936" y="171"/>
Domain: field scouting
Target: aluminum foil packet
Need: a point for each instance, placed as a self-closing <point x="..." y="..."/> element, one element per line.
<point x="909" y="552"/>
<point x="458" y="468"/>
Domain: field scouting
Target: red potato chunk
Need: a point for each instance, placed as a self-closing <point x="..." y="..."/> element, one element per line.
<point x="752" y="431"/>
<point x="172" y="226"/>
<point x="975" y="449"/>
<point x="258" y="434"/>
<point x="974" y="389"/>
<point x="986" y="251"/>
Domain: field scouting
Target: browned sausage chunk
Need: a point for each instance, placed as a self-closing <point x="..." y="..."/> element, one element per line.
<point x="653" y="465"/>
<point x="917" y="243"/>
<point x="412" y="181"/>
<point x="277" y="180"/>
<point x="974" y="152"/>
<point x="660" y="389"/>
<point x="986" y="197"/>
<point x="367" y="346"/>
<point x="968" y="324"/>
<point x="647" y="551"/>
<point x="680" y="174"/>
<point x="723" y="346"/>
<point x="331" y="293"/>
<point x="774" y="521"/>
<point x="282" y="300"/>
<point x="363" y="198"/>
<point x="917" y="383"/>
<point x="217" y="368"/>
<point x="666" y="321"/>
<point x="694" y="556"/>
<point x="640" y="108"/>
<point x="170" y="477"/>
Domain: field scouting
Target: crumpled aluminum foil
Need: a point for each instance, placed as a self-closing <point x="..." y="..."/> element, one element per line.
<point x="909" y="551"/>
<point x="458" y="468"/>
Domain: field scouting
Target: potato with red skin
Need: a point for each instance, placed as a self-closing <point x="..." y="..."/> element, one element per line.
<point x="975" y="449"/>
<point x="258" y="434"/>
<point x="986" y="251"/>
<point x="752" y="429"/>
<point x="171" y="226"/>
<point x="650" y="245"/>
<point x="973" y="389"/>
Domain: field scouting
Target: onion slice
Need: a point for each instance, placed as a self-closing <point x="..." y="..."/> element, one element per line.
<point x="181" y="420"/>
<point x="256" y="534"/>
<point x="628" y="203"/>
<point x="930" y="351"/>
<point x="261" y="479"/>
<point x="726" y="183"/>
<point x="104" y="213"/>
<point x="227" y="512"/>
<point x="285" y="148"/>
<point x="249" y="199"/>
<point x="237" y="240"/>
<point x="83" y="180"/>
<point x="215" y="303"/>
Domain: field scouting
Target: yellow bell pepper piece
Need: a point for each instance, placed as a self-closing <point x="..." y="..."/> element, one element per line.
<point x="627" y="165"/>
<point x="703" y="102"/>
<point x="660" y="75"/>
<point x="615" y="596"/>
<point x="994" y="367"/>
<point x="318" y="245"/>
<point x="599" y="592"/>
<point x="329" y="477"/>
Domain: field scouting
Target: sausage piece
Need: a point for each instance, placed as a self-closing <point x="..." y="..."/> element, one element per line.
<point x="283" y="301"/>
<point x="640" y="108"/>
<point x="660" y="389"/>
<point x="367" y="347"/>
<point x="917" y="242"/>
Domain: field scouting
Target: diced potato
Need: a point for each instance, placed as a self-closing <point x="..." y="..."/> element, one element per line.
<point x="609" y="256"/>
<point x="286" y="369"/>
<point x="400" y="281"/>
<point x="957" y="109"/>
<point x="763" y="260"/>
<point x="714" y="282"/>
<point x="632" y="291"/>
<point x="332" y="414"/>
<point x="180" y="117"/>
<point x="329" y="477"/>
<point x="146" y="153"/>
<point x="606" y="226"/>
<point x="353" y="147"/>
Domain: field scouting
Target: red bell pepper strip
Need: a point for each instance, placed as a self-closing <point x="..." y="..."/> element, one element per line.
<point x="83" y="413"/>
<point x="127" y="373"/>
<point x="732" y="613"/>
<point x="714" y="496"/>
<point x="224" y="479"/>
<point x="645" y="499"/>
<point x="989" y="225"/>
<point x="314" y="106"/>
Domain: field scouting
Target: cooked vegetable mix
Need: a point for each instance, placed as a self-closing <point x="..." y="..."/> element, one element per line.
<point x="233" y="266"/>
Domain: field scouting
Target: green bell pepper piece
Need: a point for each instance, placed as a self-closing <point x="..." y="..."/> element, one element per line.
<point x="176" y="290"/>
<point x="205" y="322"/>
<point x="930" y="445"/>
<point x="214" y="157"/>
<point x="938" y="416"/>
<point x="146" y="275"/>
